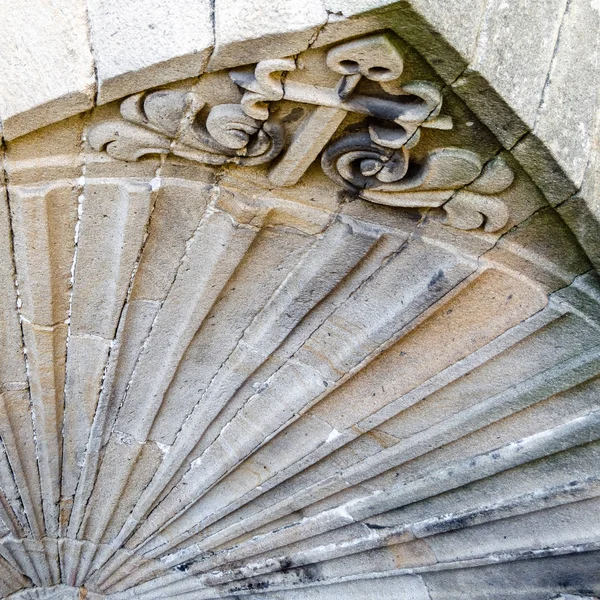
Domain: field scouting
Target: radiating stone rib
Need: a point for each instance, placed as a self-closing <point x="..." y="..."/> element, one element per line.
<point x="204" y="513"/>
<point x="275" y="252"/>
<point x="296" y="456"/>
<point x="578" y="431"/>
<point x="386" y="246"/>
<point x="555" y="488"/>
<point x="562" y="376"/>
<point x="113" y="225"/>
<point x="43" y="221"/>
<point x="16" y="432"/>
<point x="542" y="499"/>
<point x="12" y="514"/>
<point x="211" y="561"/>
<point x="214" y="252"/>
<point x="326" y="263"/>
<point x="178" y="208"/>
<point x="308" y="374"/>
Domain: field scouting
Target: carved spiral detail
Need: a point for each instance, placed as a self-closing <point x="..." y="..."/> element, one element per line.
<point x="356" y="162"/>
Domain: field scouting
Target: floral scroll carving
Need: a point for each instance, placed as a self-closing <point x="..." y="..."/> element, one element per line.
<point x="374" y="160"/>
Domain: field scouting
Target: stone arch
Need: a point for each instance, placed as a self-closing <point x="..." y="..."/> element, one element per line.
<point x="300" y="302"/>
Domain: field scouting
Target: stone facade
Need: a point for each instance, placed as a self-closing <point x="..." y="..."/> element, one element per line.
<point x="299" y="300"/>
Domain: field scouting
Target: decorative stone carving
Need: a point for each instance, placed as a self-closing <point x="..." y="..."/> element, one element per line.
<point x="241" y="383"/>
<point x="374" y="163"/>
<point x="167" y="121"/>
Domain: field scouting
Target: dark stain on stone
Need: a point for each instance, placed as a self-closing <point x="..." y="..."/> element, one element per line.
<point x="436" y="279"/>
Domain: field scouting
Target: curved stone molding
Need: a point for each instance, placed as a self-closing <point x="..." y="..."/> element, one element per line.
<point x="298" y="330"/>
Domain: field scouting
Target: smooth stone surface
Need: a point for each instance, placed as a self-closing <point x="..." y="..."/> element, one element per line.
<point x="141" y="46"/>
<point x="247" y="31"/>
<point x="47" y="70"/>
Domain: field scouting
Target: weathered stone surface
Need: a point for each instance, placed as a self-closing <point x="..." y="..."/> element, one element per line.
<point x="515" y="49"/>
<point x="283" y="28"/>
<point x="569" y="108"/>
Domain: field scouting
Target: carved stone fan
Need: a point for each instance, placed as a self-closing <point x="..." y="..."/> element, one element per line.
<point x="302" y="330"/>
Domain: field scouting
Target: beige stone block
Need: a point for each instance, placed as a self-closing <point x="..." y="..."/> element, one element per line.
<point x="46" y="352"/>
<point x="46" y="68"/>
<point x="86" y="362"/>
<point x="17" y="433"/>
<point x="543" y="234"/>
<point x="50" y="153"/>
<point x="177" y="213"/>
<point x="247" y="31"/>
<point x="12" y="363"/>
<point x="139" y="46"/>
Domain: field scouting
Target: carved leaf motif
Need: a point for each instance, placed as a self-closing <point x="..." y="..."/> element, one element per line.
<point x="467" y="210"/>
<point x="125" y="141"/>
<point x="446" y="168"/>
<point x="168" y="121"/>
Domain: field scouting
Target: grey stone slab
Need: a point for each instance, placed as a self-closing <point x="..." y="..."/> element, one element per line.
<point x="566" y="120"/>
<point x="541" y="166"/>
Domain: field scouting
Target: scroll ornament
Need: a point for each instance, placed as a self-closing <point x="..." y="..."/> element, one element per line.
<point x="375" y="162"/>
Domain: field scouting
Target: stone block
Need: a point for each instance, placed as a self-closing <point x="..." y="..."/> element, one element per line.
<point x="457" y="21"/>
<point x="247" y="31"/>
<point x="33" y="158"/>
<point x="86" y="362"/>
<point x="566" y="120"/>
<point x="112" y="231"/>
<point x="43" y="220"/>
<point x="47" y="70"/>
<point x="563" y="245"/>
<point x="541" y="166"/>
<point x="515" y="50"/>
<point x="12" y="363"/>
<point x="139" y="46"/>
<point x="489" y="106"/>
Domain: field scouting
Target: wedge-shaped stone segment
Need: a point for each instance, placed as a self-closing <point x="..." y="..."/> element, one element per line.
<point x="335" y="420"/>
<point x="307" y="375"/>
<point x="566" y="120"/>
<point x="212" y="254"/>
<point x="329" y="259"/>
<point x="48" y="71"/>
<point x="12" y="363"/>
<point x="46" y="360"/>
<point x="518" y="67"/>
<point x="534" y="345"/>
<point x="87" y="357"/>
<point x="136" y="48"/>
